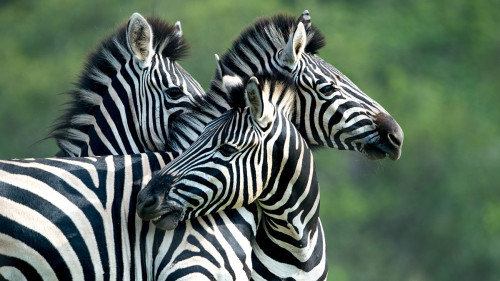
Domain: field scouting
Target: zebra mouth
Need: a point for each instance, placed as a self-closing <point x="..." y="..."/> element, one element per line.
<point x="168" y="215"/>
<point x="380" y="151"/>
<point x="169" y="220"/>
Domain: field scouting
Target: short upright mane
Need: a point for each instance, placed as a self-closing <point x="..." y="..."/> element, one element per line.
<point x="271" y="31"/>
<point x="105" y="62"/>
<point x="271" y="34"/>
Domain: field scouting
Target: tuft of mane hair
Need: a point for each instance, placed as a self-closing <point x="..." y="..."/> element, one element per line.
<point x="275" y="81"/>
<point x="105" y="62"/>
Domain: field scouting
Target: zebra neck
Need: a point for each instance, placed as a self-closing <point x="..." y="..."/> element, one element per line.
<point x="290" y="240"/>
<point x="290" y="199"/>
<point x="293" y="207"/>
<point x="114" y="125"/>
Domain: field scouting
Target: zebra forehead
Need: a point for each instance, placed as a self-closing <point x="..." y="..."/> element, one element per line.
<point x="322" y="67"/>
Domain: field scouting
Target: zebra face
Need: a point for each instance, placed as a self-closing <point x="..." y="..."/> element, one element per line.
<point x="164" y="90"/>
<point x="332" y="111"/>
<point x="227" y="167"/>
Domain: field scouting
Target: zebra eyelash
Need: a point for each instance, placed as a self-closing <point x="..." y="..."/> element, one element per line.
<point x="227" y="150"/>
<point x="329" y="89"/>
<point x="174" y="93"/>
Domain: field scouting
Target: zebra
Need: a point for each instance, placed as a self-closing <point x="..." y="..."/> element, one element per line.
<point x="329" y="111"/>
<point x="130" y="94"/>
<point x="252" y="153"/>
<point x="82" y="134"/>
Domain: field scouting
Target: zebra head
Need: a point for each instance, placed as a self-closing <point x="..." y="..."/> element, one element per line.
<point x="169" y="90"/>
<point x="131" y="93"/>
<point x="229" y="165"/>
<point x="330" y="109"/>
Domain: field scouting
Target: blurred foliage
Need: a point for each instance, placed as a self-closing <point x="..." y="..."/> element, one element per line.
<point x="434" y="65"/>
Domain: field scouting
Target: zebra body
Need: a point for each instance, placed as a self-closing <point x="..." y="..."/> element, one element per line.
<point x="250" y="154"/>
<point x="75" y="219"/>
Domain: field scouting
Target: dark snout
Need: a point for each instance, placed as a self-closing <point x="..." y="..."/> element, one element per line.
<point x="391" y="139"/>
<point x="153" y="204"/>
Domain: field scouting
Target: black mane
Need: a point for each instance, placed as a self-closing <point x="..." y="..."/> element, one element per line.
<point x="286" y="24"/>
<point x="88" y="88"/>
<point x="283" y="25"/>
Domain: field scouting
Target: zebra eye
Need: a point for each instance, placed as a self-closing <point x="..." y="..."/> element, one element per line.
<point x="227" y="150"/>
<point x="328" y="90"/>
<point x="174" y="93"/>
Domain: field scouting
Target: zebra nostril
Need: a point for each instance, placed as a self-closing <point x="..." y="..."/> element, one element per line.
<point x="395" y="140"/>
<point x="147" y="206"/>
<point x="150" y="203"/>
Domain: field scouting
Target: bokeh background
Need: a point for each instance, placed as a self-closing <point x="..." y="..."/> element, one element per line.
<point x="434" y="65"/>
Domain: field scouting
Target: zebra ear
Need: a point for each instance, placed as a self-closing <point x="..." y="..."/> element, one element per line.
<point x="178" y="29"/>
<point x="140" y="39"/>
<point x="255" y="100"/>
<point x="294" y="48"/>
<point x="305" y="19"/>
<point x="229" y="79"/>
<point x="218" y="72"/>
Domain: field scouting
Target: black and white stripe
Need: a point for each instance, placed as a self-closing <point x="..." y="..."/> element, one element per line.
<point x="251" y="153"/>
<point x="124" y="105"/>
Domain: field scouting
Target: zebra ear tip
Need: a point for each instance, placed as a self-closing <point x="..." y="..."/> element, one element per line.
<point x="305" y="19"/>
<point x="136" y="16"/>
<point x="178" y="28"/>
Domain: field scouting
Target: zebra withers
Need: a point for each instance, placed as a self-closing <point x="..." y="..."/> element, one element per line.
<point x="130" y="94"/>
<point x="251" y="153"/>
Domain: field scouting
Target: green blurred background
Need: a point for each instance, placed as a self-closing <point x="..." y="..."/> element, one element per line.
<point x="434" y="65"/>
